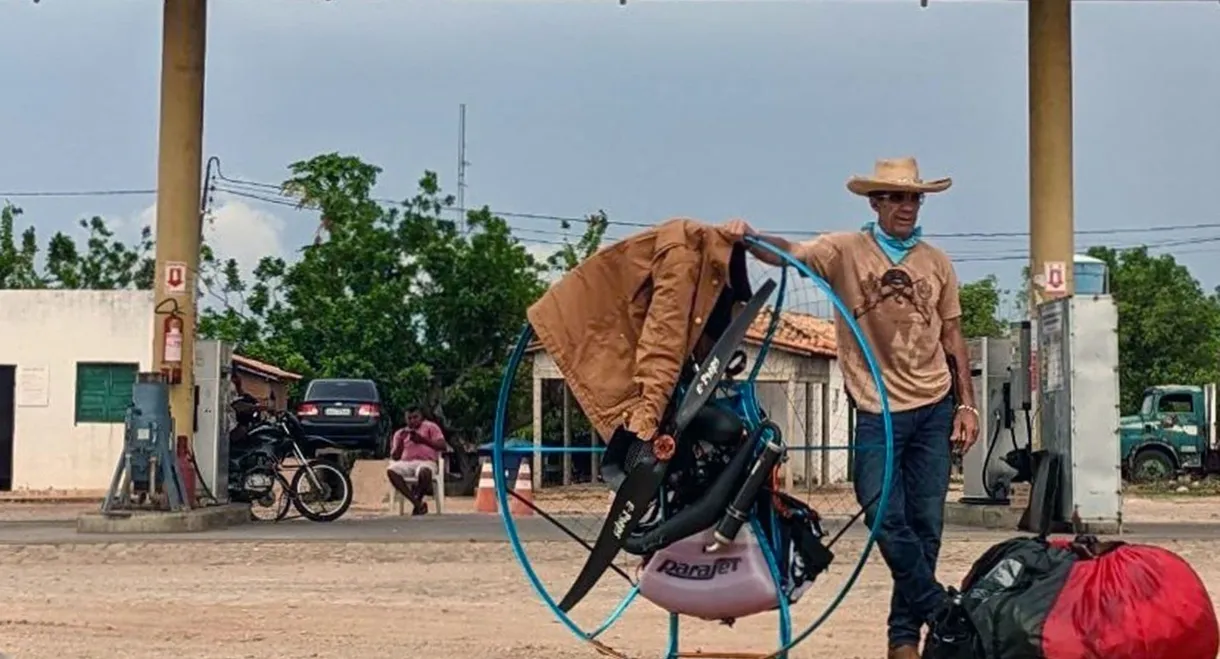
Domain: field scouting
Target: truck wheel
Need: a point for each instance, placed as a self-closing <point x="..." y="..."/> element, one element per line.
<point x="1151" y="465"/>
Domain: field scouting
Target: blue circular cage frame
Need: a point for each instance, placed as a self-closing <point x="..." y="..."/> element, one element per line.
<point x="752" y="415"/>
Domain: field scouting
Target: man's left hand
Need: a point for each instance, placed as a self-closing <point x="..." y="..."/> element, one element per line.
<point x="738" y="228"/>
<point x="965" y="430"/>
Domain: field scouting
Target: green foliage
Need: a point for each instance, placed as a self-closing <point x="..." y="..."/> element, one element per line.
<point x="105" y="263"/>
<point x="1168" y="327"/>
<point x="17" y="267"/>
<point x="398" y="294"/>
<point x="569" y="256"/>
<point x="981" y="308"/>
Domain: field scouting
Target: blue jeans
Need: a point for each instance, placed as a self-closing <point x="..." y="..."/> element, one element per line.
<point x="909" y="535"/>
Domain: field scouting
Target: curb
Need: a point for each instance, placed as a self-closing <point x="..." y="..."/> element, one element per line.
<point x="49" y="500"/>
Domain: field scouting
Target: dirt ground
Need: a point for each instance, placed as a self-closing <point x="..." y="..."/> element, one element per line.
<point x="374" y="601"/>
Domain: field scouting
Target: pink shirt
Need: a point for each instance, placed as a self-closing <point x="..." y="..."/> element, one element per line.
<point x="424" y="443"/>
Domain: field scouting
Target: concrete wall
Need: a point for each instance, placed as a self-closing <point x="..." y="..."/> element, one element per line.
<point x="781" y="392"/>
<point x="55" y="330"/>
<point x="263" y="389"/>
<point x="812" y="460"/>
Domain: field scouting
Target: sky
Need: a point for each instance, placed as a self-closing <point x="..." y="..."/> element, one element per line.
<point x="708" y="109"/>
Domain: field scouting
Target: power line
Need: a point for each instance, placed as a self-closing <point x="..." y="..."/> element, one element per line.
<point x="1012" y="235"/>
<point x="77" y="193"/>
<point x="275" y="194"/>
<point x="958" y="257"/>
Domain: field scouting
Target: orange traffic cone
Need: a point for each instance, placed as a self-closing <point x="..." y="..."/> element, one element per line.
<point x="524" y="489"/>
<point x="485" y="496"/>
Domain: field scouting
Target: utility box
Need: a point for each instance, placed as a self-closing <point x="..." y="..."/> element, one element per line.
<point x="213" y="364"/>
<point x="1001" y="429"/>
<point x="1079" y="408"/>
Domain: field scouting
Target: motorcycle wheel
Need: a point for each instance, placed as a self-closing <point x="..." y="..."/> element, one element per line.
<point x="278" y="502"/>
<point x="332" y="478"/>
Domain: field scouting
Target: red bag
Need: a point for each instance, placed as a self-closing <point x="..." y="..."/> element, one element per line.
<point x="1027" y="598"/>
<point x="1131" y="602"/>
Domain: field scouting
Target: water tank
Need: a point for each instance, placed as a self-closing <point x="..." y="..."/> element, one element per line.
<point x="1092" y="276"/>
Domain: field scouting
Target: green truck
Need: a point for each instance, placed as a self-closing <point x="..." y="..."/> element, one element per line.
<point x="1174" y="432"/>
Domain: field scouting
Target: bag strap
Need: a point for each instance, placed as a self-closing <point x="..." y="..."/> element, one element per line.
<point x="1088" y="547"/>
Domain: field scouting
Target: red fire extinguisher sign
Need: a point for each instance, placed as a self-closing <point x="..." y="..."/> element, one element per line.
<point x="173" y="340"/>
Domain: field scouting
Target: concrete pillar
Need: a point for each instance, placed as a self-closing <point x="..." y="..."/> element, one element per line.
<point x="1050" y="143"/>
<point x="809" y="437"/>
<point x="567" y="433"/>
<point x="793" y="425"/>
<point x="536" y="465"/>
<point x="179" y="172"/>
<point x="826" y="444"/>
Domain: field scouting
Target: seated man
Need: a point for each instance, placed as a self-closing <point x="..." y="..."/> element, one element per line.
<point x="414" y="453"/>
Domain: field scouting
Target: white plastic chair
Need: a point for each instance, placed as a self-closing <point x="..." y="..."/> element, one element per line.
<point x="438" y="490"/>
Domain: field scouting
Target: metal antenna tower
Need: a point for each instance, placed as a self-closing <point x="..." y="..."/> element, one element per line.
<point x="461" y="172"/>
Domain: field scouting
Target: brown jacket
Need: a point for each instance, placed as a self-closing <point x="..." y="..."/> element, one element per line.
<point x="621" y="324"/>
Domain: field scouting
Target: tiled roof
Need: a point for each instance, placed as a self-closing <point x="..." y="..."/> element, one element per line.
<point x="265" y="368"/>
<point x="796" y="332"/>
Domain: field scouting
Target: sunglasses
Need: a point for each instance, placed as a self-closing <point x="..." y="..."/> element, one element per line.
<point x="899" y="197"/>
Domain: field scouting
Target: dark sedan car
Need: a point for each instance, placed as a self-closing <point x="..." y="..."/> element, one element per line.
<point x="347" y="412"/>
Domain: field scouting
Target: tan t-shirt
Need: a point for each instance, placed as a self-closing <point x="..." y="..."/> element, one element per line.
<point x="900" y="309"/>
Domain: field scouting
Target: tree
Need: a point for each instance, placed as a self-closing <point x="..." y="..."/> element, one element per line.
<point x="397" y="294"/>
<point x="17" y="267"/>
<point x="105" y="263"/>
<point x="980" y="302"/>
<point x="570" y="255"/>
<point x="1168" y="327"/>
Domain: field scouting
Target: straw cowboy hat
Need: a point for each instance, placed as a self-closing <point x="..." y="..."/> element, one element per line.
<point x="896" y="175"/>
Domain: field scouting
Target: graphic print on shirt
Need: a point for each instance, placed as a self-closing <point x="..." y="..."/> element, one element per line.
<point x="906" y="305"/>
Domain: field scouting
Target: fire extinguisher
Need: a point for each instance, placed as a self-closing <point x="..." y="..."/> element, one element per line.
<point x="172" y="353"/>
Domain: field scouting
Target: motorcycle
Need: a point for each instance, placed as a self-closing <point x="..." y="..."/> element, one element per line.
<point x="256" y="473"/>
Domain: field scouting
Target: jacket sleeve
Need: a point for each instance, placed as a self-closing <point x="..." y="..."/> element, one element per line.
<point x="661" y="350"/>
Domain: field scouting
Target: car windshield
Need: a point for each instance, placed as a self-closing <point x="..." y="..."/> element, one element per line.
<point x="1146" y="408"/>
<point x="341" y="390"/>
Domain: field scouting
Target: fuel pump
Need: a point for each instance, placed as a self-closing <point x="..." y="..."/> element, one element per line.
<point x="999" y="370"/>
<point x="1077" y="484"/>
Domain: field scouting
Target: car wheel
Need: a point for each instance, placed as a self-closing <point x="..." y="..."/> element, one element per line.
<point x="1152" y="465"/>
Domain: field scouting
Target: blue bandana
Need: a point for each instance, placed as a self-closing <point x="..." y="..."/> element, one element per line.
<point x="895" y="248"/>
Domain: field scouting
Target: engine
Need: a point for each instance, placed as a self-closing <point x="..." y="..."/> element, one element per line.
<point x="706" y="448"/>
<point x="252" y="475"/>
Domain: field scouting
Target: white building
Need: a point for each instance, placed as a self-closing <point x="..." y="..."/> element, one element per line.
<point x="68" y="360"/>
<point x="800" y="388"/>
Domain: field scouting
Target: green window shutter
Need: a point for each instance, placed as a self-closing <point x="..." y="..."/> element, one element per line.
<point x="103" y="392"/>
<point x="122" y="382"/>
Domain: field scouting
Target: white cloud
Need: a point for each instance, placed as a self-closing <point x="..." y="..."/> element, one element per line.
<point x="541" y="252"/>
<point x="235" y="230"/>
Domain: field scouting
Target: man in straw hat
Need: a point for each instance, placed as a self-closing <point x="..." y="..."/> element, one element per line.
<point x="904" y="294"/>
